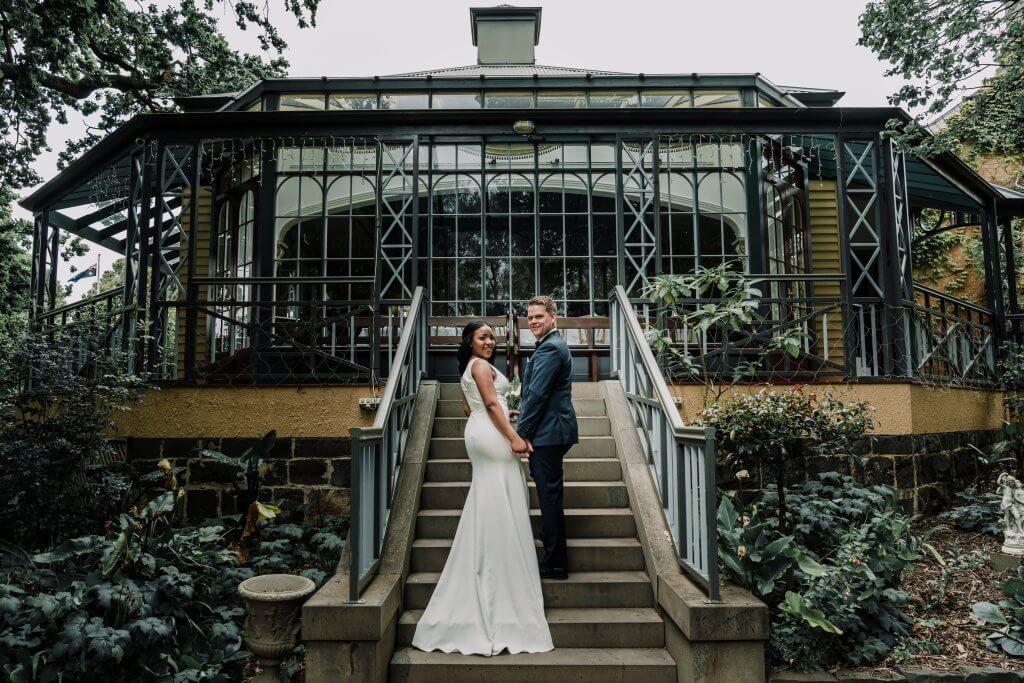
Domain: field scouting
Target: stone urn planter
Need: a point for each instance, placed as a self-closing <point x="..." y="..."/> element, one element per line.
<point x="273" y="605"/>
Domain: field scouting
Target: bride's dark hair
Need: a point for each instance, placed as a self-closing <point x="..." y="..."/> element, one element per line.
<point x="466" y="347"/>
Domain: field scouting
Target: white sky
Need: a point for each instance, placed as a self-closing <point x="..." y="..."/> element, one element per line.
<point x="790" y="42"/>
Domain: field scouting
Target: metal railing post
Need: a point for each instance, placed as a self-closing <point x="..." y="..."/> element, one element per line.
<point x="711" y="511"/>
<point x="356" y="517"/>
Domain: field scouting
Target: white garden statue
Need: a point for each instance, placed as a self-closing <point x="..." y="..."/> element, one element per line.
<point x="1012" y="507"/>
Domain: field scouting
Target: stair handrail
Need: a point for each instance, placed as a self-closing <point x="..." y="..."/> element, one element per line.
<point x="377" y="450"/>
<point x="681" y="457"/>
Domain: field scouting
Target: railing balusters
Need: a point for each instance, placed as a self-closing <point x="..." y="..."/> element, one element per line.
<point x="681" y="457"/>
<point x="380" y="446"/>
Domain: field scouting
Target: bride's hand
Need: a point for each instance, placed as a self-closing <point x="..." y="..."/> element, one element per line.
<point x="519" y="445"/>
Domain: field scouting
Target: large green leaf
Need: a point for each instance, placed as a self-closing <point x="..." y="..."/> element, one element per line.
<point x="114" y="553"/>
<point x="71" y="548"/>
<point x="989" y="613"/>
<point x="794" y="605"/>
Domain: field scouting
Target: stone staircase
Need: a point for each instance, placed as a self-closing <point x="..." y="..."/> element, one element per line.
<point x="604" y="620"/>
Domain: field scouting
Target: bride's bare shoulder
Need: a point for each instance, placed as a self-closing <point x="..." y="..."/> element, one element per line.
<point x="482" y="371"/>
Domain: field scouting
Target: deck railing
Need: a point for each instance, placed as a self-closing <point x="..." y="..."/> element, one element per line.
<point x="954" y="340"/>
<point x="377" y="450"/>
<point x="681" y="457"/>
<point x="330" y="330"/>
<point x="813" y="306"/>
<point x="101" y="323"/>
<point x="276" y="330"/>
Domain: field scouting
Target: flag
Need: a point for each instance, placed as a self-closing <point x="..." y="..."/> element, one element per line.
<point x="88" y="272"/>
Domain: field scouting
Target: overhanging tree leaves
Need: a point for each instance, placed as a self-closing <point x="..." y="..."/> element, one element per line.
<point x="109" y="60"/>
<point x="115" y="59"/>
<point x="949" y="49"/>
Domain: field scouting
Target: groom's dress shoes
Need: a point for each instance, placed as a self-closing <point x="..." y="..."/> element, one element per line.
<point x="556" y="574"/>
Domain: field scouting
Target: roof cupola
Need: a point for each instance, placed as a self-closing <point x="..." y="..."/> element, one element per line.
<point x="505" y="34"/>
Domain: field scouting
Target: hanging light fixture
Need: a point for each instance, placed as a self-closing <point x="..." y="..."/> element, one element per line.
<point x="523" y="127"/>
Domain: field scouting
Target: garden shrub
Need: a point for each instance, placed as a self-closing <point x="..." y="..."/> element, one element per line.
<point x="58" y="474"/>
<point x="832" y="579"/>
<point x="770" y="429"/>
<point x="148" y="600"/>
<point x="1003" y="623"/>
<point x="980" y="512"/>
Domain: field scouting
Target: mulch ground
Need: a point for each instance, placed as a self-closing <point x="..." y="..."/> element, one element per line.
<point x="956" y="632"/>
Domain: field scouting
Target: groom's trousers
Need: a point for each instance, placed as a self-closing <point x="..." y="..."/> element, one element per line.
<point x="546" y="470"/>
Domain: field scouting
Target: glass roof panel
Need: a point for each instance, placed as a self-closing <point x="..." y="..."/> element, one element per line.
<point x="716" y="98"/>
<point x="302" y="102"/>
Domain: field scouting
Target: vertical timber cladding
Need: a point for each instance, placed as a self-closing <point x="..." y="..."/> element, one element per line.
<point x="201" y="235"/>
<point x="823" y="210"/>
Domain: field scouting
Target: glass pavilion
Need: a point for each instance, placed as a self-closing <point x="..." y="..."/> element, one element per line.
<point x="276" y="235"/>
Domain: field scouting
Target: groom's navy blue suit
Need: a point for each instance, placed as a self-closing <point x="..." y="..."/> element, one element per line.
<point x="548" y="421"/>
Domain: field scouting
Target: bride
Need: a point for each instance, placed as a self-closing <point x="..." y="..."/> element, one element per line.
<point x="488" y="598"/>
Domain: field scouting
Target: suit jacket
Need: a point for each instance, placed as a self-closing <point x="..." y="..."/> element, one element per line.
<point x="546" y="415"/>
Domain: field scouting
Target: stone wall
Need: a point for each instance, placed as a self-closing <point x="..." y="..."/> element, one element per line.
<point x="925" y="469"/>
<point x="315" y="472"/>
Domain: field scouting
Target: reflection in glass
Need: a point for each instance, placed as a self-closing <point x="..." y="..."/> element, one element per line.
<point x="404" y="100"/>
<point x="668" y="99"/>
<point x="569" y="99"/>
<point x="614" y="100"/>
<point x="508" y="100"/>
<point x="716" y="98"/>
<point x="301" y="102"/>
<point x="352" y="101"/>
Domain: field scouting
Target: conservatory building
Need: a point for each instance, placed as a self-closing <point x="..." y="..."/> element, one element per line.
<point x="307" y="245"/>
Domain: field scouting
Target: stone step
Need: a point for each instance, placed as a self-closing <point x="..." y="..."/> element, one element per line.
<point x="588" y="627"/>
<point x="579" y="523"/>
<point x="456" y="426"/>
<point x="585" y="554"/>
<point x="581" y="589"/>
<point x="575" y="469"/>
<point x="578" y="494"/>
<point x="452" y="391"/>
<point x="593" y="665"/>
<point x="585" y="407"/>
<point x="448" y="448"/>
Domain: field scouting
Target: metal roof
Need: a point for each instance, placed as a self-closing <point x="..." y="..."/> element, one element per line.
<point x="497" y="70"/>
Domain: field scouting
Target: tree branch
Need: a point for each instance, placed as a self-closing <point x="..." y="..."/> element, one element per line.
<point x="83" y="87"/>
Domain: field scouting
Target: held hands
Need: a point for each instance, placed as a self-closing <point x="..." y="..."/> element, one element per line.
<point x="520" y="446"/>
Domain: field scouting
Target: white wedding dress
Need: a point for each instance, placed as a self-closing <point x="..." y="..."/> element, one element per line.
<point x="488" y="598"/>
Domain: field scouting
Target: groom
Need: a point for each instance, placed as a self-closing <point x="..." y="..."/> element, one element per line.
<point x="548" y="423"/>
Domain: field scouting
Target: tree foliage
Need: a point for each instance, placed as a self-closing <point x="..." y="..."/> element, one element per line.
<point x="108" y="60"/>
<point x="945" y="51"/>
<point x="113" y="59"/>
<point x="16" y="274"/>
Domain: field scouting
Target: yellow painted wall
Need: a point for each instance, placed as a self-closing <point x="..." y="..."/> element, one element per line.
<point x="823" y="208"/>
<point x="899" y="408"/>
<point x="238" y="412"/>
<point x="202" y="237"/>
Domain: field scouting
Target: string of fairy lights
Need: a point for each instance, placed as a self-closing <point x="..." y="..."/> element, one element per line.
<point x="229" y="159"/>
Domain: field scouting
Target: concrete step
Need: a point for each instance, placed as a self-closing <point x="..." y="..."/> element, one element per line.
<point x="582" y="589"/>
<point x="448" y="448"/>
<point x="580" y="627"/>
<point x="578" y="494"/>
<point x="585" y="407"/>
<point x="452" y="391"/>
<point x="456" y="426"/>
<point x="585" y="554"/>
<point x="575" y="469"/>
<point x="579" y="523"/>
<point x="593" y="665"/>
